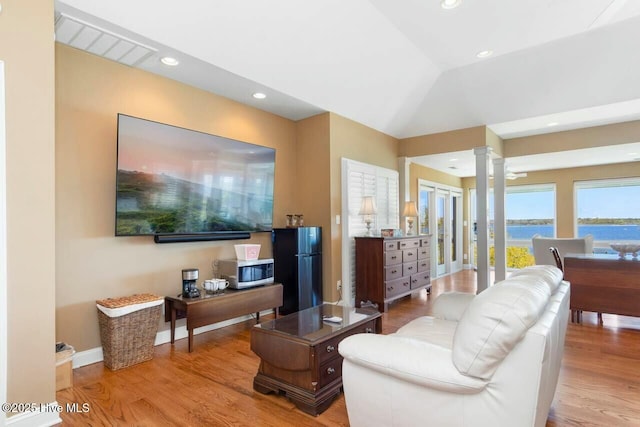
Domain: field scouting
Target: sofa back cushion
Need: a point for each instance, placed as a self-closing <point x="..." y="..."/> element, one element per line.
<point x="495" y="321"/>
<point x="551" y="275"/>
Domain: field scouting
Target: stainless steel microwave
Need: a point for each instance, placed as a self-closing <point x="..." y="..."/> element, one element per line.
<point x="246" y="274"/>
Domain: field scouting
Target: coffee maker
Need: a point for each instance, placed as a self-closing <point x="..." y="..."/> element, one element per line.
<point x="189" y="283"/>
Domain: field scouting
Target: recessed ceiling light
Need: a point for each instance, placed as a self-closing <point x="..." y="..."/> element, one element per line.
<point x="552" y="124"/>
<point x="453" y="160"/>
<point x="450" y="4"/>
<point x="632" y="153"/>
<point x="167" y="60"/>
<point x="259" y="95"/>
<point x="484" y="53"/>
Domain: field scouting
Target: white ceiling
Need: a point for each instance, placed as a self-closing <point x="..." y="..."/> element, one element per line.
<point x="404" y="68"/>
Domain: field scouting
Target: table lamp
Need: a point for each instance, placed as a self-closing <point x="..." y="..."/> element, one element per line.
<point x="368" y="209"/>
<point x="410" y="212"/>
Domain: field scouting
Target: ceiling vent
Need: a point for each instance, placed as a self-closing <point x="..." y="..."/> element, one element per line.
<point x="88" y="37"/>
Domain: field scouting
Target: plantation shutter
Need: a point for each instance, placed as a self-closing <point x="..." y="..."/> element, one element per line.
<point x="365" y="180"/>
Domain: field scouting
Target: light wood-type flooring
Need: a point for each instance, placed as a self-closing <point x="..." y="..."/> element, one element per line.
<point x="599" y="382"/>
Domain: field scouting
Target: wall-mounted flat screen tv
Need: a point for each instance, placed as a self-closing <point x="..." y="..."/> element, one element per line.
<point x="172" y="180"/>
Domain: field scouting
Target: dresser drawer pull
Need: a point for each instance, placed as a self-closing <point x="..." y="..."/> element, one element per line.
<point x="330" y="370"/>
<point x="394" y="271"/>
<point x="390" y="288"/>
<point x="368" y="330"/>
<point x="394" y="257"/>
<point x="330" y="348"/>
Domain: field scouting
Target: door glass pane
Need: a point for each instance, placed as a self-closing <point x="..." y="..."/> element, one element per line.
<point x="454" y="226"/>
<point x="423" y="203"/>
<point x="440" y="207"/>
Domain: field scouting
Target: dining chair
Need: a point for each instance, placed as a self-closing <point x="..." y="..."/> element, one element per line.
<point x="576" y="315"/>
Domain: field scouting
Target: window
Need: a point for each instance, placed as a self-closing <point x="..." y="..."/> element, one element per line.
<point x="609" y="210"/>
<point x="530" y="210"/>
<point x="360" y="180"/>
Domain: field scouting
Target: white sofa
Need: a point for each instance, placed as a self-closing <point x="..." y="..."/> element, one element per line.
<point x="491" y="359"/>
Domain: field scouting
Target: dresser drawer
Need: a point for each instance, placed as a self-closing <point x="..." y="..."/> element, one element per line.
<point x="390" y="246"/>
<point x="329" y="349"/>
<point x="423" y="252"/>
<point x="409" y="255"/>
<point x="396" y="287"/>
<point x="409" y="243"/>
<point x="393" y="272"/>
<point x="425" y="242"/>
<point x="409" y="268"/>
<point x="424" y="265"/>
<point x="392" y="257"/>
<point x="420" y="279"/>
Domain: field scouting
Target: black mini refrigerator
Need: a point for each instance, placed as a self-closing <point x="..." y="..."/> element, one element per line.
<point x="297" y="256"/>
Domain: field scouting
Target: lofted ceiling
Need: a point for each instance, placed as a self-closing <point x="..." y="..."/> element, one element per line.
<point x="404" y="68"/>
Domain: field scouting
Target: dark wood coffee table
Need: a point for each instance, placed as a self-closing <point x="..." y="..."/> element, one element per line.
<point x="299" y="353"/>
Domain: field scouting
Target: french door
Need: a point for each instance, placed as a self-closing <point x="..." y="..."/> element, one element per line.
<point x="441" y="216"/>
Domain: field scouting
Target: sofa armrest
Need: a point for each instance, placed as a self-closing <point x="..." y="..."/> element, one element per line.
<point x="451" y="305"/>
<point x="409" y="360"/>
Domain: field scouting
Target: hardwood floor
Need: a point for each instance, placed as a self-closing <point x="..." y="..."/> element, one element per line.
<point x="599" y="382"/>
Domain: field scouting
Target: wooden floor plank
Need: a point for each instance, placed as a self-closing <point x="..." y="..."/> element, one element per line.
<point x="599" y="381"/>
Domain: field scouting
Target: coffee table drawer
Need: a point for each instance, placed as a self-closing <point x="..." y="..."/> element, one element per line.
<point x="329" y="348"/>
<point x="330" y="371"/>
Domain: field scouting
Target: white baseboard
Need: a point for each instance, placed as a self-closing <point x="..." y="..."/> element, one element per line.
<point x="94" y="355"/>
<point x="45" y="417"/>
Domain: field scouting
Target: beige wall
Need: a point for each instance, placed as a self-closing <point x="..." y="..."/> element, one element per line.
<point x="91" y="263"/>
<point x="26" y="47"/>
<point x="445" y="142"/>
<point x="598" y="136"/>
<point x="313" y="186"/>
<point x="353" y="141"/>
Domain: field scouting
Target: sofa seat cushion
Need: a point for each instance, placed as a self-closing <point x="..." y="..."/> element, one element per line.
<point x="429" y="329"/>
<point x="495" y="321"/>
<point x="551" y="275"/>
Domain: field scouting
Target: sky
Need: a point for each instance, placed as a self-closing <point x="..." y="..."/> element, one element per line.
<point x="611" y="202"/>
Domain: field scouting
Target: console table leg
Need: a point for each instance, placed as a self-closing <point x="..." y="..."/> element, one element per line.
<point x="190" y="340"/>
<point x="173" y="324"/>
<point x="257" y="317"/>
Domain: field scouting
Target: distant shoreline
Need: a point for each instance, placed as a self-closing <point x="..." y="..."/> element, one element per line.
<point x="581" y="221"/>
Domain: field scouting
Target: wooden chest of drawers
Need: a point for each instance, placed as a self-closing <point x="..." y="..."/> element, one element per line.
<point x="391" y="268"/>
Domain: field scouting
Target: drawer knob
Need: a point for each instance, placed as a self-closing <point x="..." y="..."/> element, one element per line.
<point x="394" y="271"/>
<point x="330" y="348"/>
<point x="330" y="370"/>
<point x="390" y="288"/>
<point x="368" y="330"/>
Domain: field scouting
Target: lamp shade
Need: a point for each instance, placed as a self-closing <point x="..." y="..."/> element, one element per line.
<point x="410" y="209"/>
<point x="368" y="206"/>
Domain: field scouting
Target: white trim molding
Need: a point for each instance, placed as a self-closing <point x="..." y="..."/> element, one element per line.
<point x="47" y="415"/>
<point x="95" y="355"/>
<point x="3" y="249"/>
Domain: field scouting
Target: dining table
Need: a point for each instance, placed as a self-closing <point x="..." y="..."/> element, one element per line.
<point x="603" y="283"/>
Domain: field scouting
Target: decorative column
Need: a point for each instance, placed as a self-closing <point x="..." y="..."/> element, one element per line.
<point x="483" y="164"/>
<point x="499" y="219"/>
<point x="404" y="184"/>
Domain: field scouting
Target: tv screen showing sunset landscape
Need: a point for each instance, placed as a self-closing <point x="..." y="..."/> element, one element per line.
<point x="172" y="180"/>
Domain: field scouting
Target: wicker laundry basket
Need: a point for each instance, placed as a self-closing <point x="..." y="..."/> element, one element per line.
<point x="128" y="327"/>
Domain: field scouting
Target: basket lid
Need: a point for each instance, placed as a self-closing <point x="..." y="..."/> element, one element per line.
<point x="129" y="300"/>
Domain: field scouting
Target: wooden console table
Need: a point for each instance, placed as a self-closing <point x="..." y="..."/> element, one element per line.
<point x="208" y="309"/>
<point x="603" y="284"/>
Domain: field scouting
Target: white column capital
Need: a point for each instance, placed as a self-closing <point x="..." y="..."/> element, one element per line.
<point x="484" y="150"/>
